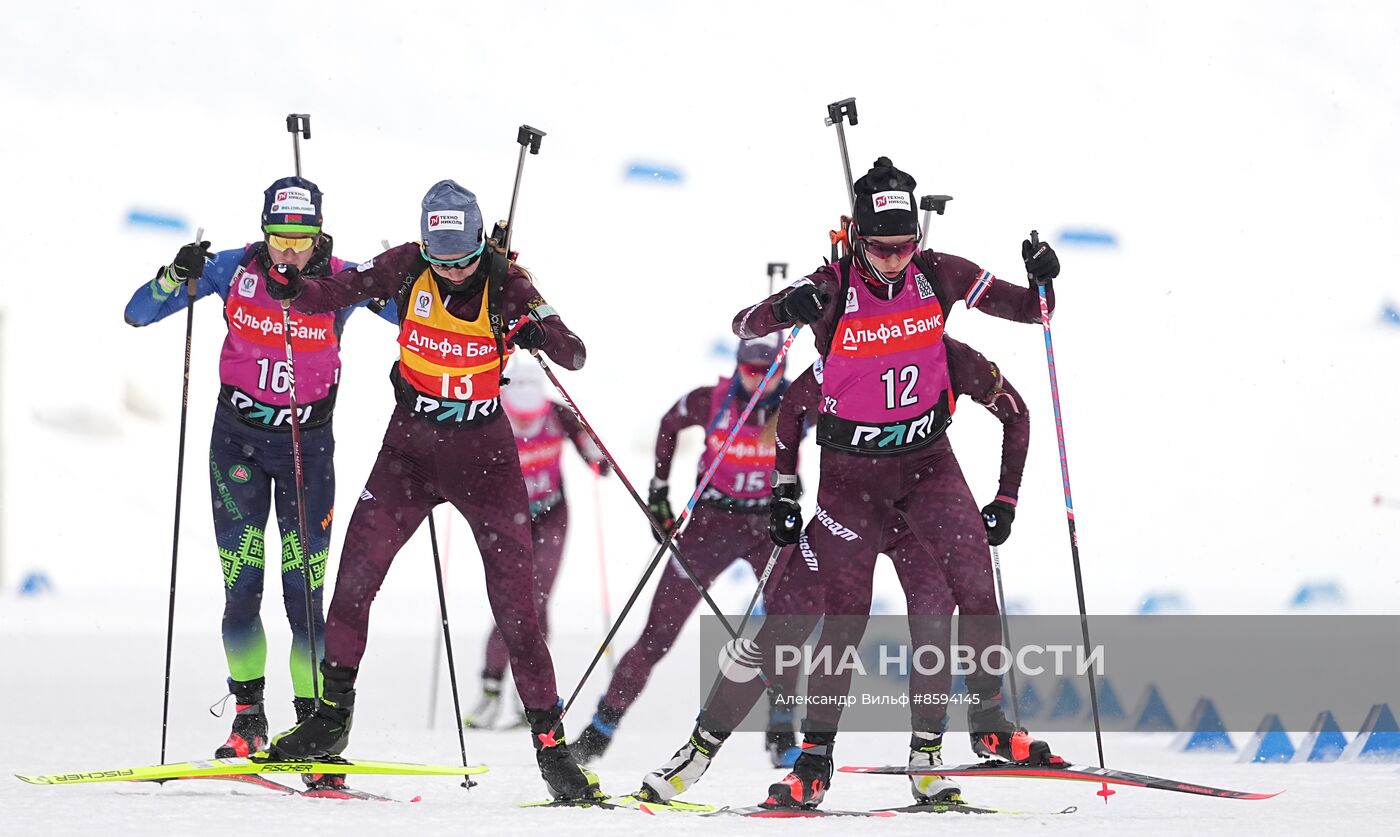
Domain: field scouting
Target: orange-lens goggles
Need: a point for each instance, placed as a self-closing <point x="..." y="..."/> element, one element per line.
<point x="296" y="245"/>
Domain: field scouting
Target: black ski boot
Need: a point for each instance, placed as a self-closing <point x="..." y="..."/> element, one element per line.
<point x="806" y="785"/>
<point x="781" y="737"/>
<point x="321" y="784"/>
<point x="249" y="734"/>
<point x="326" y="731"/>
<point x="562" y="775"/>
<point x="594" y="740"/>
<point x="994" y="736"/>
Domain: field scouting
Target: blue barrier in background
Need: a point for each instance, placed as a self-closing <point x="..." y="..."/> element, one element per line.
<point x="653" y="173"/>
<point x="1324" y="742"/>
<point x="35" y="584"/>
<point x="1205" y="731"/>
<point x="1067" y="703"/>
<point x="156" y="220"/>
<point x="1027" y="697"/>
<point x="1110" y="707"/>
<point x="1390" y="315"/>
<point x="1152" y="716"/>
<point x="1163" y="601"/>
<point x="1086" y="237"/>
<point x="1318" y="593"/>
<point x="1379" y="738"/>
<point x="1270" y="743"/>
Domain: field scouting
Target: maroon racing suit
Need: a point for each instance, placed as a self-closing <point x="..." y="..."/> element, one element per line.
<point x="932" y="584"/>
<point x="450" y="446"/>
<point x="729" y="523"/>
<point x="886" y="398"/>
<point x="541" y="446"/>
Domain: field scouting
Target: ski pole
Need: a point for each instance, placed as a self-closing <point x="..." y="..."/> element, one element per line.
<point x="179" y="489"/>
<point x="931" y="204"/>
<point x="436" y="677"/>
<point x="776" y="271"/>
<point x="447" y="641"/>
<point x="836" y="114"/>
<point x="529" y="139"/>
<point x="299" y="124"/>
<point x="1006" y="635"/>
<point x="602" y="562"/>
<point x="668" y="539"/>
<point x="1069" y="509"/>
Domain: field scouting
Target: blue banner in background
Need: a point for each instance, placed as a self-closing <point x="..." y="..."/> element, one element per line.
<point x="156" y="220"/>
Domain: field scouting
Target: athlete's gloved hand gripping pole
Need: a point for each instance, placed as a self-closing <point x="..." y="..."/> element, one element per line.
<point x="188" y="272"/>
<point x="1042" y="265"/>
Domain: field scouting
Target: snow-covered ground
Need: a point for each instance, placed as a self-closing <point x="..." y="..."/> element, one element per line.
<point x="1228" y="389"/>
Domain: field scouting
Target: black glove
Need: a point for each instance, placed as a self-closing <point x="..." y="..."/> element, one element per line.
<point x="659" y="507"/>
<point x="284" y="282"/>
<point x="189" y="262"/>
<point x="531" y="336"/>
<point x="784" y="515"/>
<point x="1042" y="264"/>
<point x="997" y="517"/>
<point x="802" y="304"/>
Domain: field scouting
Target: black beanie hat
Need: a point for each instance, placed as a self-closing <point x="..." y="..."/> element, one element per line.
<point x="885" y="201"/>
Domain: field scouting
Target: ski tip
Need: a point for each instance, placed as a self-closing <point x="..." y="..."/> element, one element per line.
<point x="1259" y="795"/>
<point x="418" y="798"/>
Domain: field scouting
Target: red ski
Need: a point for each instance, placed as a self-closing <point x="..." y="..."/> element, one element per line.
<point x="1095" y="775"/>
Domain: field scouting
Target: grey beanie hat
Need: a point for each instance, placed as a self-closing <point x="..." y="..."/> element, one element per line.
<point x="451" y="220"/>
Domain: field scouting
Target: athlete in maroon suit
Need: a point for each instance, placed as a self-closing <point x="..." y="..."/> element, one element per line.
<point x="930" y="590"/>
<point x="456" y="297"/>
<point x="877" y="317"/>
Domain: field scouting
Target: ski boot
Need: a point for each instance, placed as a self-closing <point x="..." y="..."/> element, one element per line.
<point x="326" y="731"/>
<point x="562" y="775"/>
<point x="781" y="740"/>
<point x="684" y="769"/>
<point x="249" y="734"/>
<point x="488" y="707"/>
<point x="322" y="783"/>
<point x="594" y="740"/>
<point x="806" y="785"/>
<point x="995" y="737"/>
<point x="925" y="751"/>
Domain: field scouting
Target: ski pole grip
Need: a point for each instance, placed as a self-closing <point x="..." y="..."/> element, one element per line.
<point x="299" y="122"/>
<point x="531" y="137"/>
<point x="844" y="108"/>
<point x="1035" y="245"/>
<point x="777" y="270"/>
<point x="190" y="285"/>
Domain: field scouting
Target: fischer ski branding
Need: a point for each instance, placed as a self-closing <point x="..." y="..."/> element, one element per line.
<point x="1079" y="774"/>
<point x="257" y="764"/>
